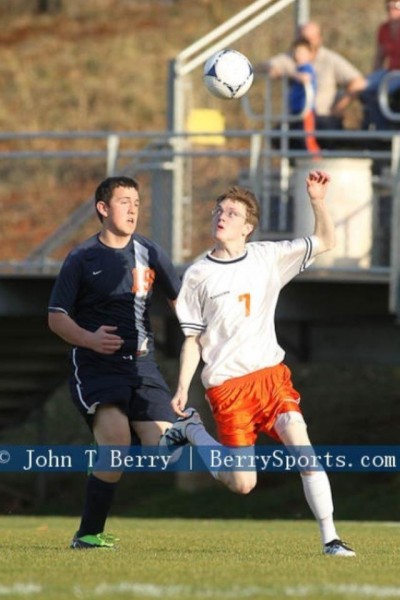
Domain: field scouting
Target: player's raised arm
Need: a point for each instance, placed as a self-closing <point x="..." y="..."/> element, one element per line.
<point x="317" y="185"/>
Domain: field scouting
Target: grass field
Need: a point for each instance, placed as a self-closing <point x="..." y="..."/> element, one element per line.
<point x="186" y="559"/>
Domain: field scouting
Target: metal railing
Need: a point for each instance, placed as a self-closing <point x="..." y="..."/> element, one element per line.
<point x="248" y="153"/>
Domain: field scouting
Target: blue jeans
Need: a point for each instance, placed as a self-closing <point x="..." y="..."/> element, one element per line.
<point x="373" y="117"/>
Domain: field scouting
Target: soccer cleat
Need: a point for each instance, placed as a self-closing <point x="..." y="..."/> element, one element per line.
<point x="338" y="548"/>
<point x="100" y="540"/>
<point x="176" y="436"/>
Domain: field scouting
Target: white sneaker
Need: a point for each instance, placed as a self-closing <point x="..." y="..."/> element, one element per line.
<point x="338" y="548"/>
<point x="176" y="435"/>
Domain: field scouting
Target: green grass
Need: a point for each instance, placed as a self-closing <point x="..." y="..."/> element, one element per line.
<point x="186" y="559"/>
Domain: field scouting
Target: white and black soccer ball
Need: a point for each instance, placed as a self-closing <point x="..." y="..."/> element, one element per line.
<point x="228" y="74"/>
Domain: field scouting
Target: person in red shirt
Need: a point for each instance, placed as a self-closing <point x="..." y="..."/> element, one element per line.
<point x="388" y="39"/>
<point x="387" y="58"/>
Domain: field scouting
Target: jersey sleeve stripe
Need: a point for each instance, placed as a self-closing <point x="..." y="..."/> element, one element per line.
<point x="307" y="255"/>
<point x="57" y="309"/>
<point x="194" y="326"/>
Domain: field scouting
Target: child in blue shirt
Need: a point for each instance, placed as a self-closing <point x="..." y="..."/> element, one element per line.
<point x="305" y="74"/>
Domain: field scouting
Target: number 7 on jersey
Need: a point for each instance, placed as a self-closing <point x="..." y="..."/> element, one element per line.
<point x="246" y="299"/>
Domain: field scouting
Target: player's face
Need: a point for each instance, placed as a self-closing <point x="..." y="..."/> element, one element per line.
<point x="123" y="211"/>
<point x="229" y="222"/>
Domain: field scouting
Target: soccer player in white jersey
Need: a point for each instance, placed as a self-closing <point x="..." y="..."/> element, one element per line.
<point x="226" y="309"/>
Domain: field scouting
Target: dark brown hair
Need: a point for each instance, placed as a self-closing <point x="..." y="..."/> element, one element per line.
<point x="302" y="41"/>
<point x="105" y="189"/>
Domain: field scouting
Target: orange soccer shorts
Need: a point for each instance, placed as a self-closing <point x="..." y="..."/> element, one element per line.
<point x="245" y="406"/>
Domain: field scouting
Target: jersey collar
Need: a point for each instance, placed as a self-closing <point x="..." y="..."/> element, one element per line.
<point x="223" y="261"/>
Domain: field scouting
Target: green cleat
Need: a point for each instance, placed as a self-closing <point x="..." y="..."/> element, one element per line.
<point x="100" y="540"/>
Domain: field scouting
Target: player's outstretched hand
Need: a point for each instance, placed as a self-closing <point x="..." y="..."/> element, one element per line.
<point x="105" y="341"/>
<point x="317" y="184"/>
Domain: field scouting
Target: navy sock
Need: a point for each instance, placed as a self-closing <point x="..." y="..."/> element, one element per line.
<point x="98" y="500"/>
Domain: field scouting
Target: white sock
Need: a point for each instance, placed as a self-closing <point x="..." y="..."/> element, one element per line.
<point x="317" y="491"/>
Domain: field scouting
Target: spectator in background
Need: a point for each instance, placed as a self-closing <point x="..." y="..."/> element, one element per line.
<point x="387" y="58"/>
<point x="304" y="75"/>
<point x="387" y="54"/>
<point x="338" y="81"/>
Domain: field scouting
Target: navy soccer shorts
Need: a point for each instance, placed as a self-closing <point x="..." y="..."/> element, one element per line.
<point x="134" y="384"/>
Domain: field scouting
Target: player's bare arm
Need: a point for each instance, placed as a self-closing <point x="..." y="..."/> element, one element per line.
<point x="103" y="340"/>
<point x="317" y="185"/>
<point x="189" y="361"/>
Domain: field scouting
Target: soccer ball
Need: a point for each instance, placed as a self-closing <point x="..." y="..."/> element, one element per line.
<point x="228" y="74"/>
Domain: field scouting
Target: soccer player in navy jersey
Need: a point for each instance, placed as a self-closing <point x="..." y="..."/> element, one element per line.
<point x="226" y="308"/>
<point x="100" y="305"/>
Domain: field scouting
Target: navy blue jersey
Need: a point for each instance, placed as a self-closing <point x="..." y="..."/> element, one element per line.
<point x="99" y="285"/>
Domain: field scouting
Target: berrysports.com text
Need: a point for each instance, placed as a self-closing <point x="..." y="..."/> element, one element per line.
<point x="280" y="460"/>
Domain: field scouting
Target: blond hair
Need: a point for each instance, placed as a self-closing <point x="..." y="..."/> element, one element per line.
<point x="245" y="197"/>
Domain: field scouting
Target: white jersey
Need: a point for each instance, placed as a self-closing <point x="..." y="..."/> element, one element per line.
<point x="231" y="304"/>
